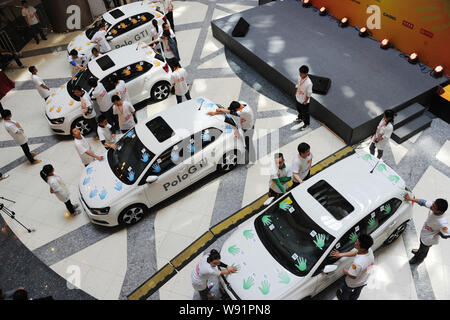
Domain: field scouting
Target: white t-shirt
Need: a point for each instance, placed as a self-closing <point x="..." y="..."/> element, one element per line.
<point x="80" y="60"/>
<point x="277" y="173"/>
<point x="83" y="146"/>
<point x="105" y="134"/>
<point x="102" y="97"/>
<point x="434" y="224"/>
<point x="28" y="13"/>
<point x="167" y="51"/>
<point x="305" y="86"/>
<point x="126" y="120"/>
<point x="247" y="116"/>
<point x="178" y="77"/>
<point x="37" y="81"/>
<point x="201" y="273"/>
<point x="301" y="166"/>
<point x="360" y="269"/>
<point x="122" y="91"/>
<point x="167" y="6"/>
<point x="87" y="107"/>
<point x="59" y="188"/>
<point x="100" y="38"/>
<point x="15" y="132"/>
<point x="385" y="131"/>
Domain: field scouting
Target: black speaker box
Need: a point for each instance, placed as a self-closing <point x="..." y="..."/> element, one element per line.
<point x="241" y="28"/>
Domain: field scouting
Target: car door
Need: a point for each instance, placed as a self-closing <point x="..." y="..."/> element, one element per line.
<point x="386" y="219"/>
<point x="118" y="35"/>
<point x="140" y="27"/>
<point x="135" y="76"/>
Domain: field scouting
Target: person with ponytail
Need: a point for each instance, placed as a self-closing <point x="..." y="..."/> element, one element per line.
<point x="208" y="268"/>
<point x="384" y="131"/>
<point x="58" y="188"/>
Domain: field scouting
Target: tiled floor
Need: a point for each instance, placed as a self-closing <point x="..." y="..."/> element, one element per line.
<point x="104" y="265"/>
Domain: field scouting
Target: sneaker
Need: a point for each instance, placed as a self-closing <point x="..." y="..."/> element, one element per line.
<point x="34" y="154"/>
<point x="5" y="176"/>
<point x="298" y="120"/>
<point x="76" y="206"/>
<point x="304" y="127"/>
<point x="36" y="161"/>
<point x="414" y="251"/>
<point x="77" y="212"/>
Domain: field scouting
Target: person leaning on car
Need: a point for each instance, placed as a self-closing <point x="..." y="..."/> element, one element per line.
<point x="357" y="274"/>
<point x="280" y="176"/>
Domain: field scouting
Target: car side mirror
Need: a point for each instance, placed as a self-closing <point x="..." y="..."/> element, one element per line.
<point x="151" y="179"/>
<point x="268" y="201"/>
<point x="329" y="268"/>
<point x="109" y="38"/>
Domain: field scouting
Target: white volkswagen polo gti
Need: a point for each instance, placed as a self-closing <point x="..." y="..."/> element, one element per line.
<point x="158" y="158"/>
<point x="145" y="72"/>
<point x="127" y="24"/>
<point x="284" y="251"/>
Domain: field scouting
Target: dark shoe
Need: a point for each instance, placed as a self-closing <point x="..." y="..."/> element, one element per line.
<point x="339" y="294"/>
<point x="304" y="127"/>
<point x="414" y="260"/>
<point x="298" y="120"/>
<point x="414" y="251"/>
<point x="44" y="39"/>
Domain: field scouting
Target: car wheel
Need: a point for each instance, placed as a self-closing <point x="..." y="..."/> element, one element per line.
<point x="82" y="125"/>
<point x="396" y="234"/>
<point x="229" y="161"/>
<point x="160" y="91"/>
<point x="132" y="214"/>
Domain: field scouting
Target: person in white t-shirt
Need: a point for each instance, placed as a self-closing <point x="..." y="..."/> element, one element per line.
<point x="105" y="134"/>
<point x="126" y="113"/>
<point x="303" y="95"/>
<point x="59" y="189"/>
<point x="95" y="53"/>
<point x="384" y="131"/>
<point x="77" y="61"/>
<point x="100" y="38"/>
<point x="301" y="164"/>
<point x="84" y="149"/>
<point x="358" y="273"/>
<point x="435" y="227"/>
<point x="87" y="108"/>
<point x="208" y="268"/>
<point x="178" y="79"/>
<point x="41" y="87"/>
<point x="280" y="176"/>
<point x="121" y="89"/>
<point x="32" y="20"/>
<point x="103" y="100"/>
<point x="16" y="131"/>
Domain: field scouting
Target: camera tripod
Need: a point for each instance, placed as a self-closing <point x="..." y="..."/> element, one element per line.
<point x="12" y="214"/>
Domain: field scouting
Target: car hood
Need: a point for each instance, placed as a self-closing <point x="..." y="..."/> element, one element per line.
<point x="60" y="103"/>
<point x="260" y="276"/>
<point x="82" y="44"/>
<point x="98" y="185"/>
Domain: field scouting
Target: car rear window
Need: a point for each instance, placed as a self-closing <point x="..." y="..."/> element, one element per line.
<point x="160" y="129"/>
<point x="117" y="13"/>
<point x="331" y="200"/>
<point x="105" y="63"/>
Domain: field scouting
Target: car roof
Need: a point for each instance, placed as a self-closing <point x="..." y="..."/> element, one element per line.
<point x="351" y="178"/>
<point x="185" y="119"/>
<point x="132" y="9"/>
<point x="122" y="57"/>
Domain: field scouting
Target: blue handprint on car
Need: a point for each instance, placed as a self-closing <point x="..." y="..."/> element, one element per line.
<point x="93" y="193"/>
<point x="206" y="136"/>
<point x="191" y="148"/>
<point x="145" y="157"/>
<point x="103" y="194"/>
<point x="89" y="170"/>
<point x="228" y="129"/>
<point x="174" y="156"/>
<point x="131" y="175"/>
<point x="156" y="168"/>
<point x="118" y="186"/>
<point x="86" y="180"/>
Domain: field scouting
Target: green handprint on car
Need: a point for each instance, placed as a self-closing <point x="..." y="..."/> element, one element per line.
<point x="265" y="287"/>
<point x="320" y="241"/>
<point x="301" y="264"/>
<point x="372" y="223"/>
<point x="266" y="220"/>
<point x="353" y="237"/>
<point x="248" y="234"/>
<point x="393" y="178"/>
<point x="387" y="209"/>
<point x="285" y="206"/>
<point x="248" y="283"/>
<point x="234" y="250"/>
<point x="284" y="277"/>
<point x="382" y="167"/>
<point x="367" y="157"/>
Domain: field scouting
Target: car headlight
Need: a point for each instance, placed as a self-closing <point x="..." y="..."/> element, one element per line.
<point x="101" y="211"/>
<point x="57" y="120"/>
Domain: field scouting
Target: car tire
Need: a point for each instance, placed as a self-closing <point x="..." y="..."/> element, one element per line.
<point x="132" y="214"/>
<point x="229" y="161"/>
<point x="160" y="91"/>
<point x="81" y="124"/>
<point x="396" y="234"/>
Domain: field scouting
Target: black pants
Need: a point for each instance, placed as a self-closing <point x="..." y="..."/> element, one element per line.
<point x="204" y="294"/>
<point x="250" y="156"/>
<point x="303" y="112"/>
<point x="421" y="253"/>
<point x="169" y="16"/>
<point x="295" y="183"/>
<point x="372" y="150"/>
<point x="27" y="152"/>
<point x="113" y="119"/>
<point x="35" y="29"/>
<point x="70" y="207"/>
<point x="350" y="293"/>
<point x="1" y="110"/>
<point x="187" y="95"/>
<point x="118" y="4"/>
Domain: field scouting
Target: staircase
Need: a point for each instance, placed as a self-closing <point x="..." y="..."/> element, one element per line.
<point x="410" y="121"/>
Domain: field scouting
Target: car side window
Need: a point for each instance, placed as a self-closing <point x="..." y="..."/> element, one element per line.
<point x="206" y="137"/>
<point x="130" y="24"/>
<point x="134" y="70"/>
<point x="119" y="28"/>
<point x="347" y="242"/>
<point x="387" y="210"/>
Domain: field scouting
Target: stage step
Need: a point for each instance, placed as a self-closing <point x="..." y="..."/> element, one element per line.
<point x="408" y="114"/>
<point x="411" y="128"/>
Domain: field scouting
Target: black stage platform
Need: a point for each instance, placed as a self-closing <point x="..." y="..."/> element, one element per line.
<point x="366" y="80"/>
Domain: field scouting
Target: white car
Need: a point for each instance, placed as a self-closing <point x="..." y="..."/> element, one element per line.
<point x="158" y="158"/>
<point x="145" y="72"/>
<point x="283" y="252"/>
<point x="127" y="24"/>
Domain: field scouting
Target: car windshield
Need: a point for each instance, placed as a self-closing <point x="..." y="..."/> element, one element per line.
<point x="94" y="28"/>
<point x="81" y="79"/>
<point x="291" y="236"/>
<point x="130" y="158"/>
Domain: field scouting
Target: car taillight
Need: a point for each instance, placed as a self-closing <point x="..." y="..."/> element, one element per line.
<point x="166" y="68"/>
